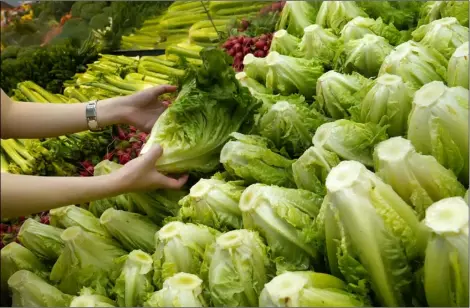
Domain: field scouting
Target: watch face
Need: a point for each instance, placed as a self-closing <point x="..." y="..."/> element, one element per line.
<point x="93" y="124"/>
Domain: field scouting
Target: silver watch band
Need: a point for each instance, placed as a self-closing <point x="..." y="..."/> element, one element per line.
<point x="92" y="116"/>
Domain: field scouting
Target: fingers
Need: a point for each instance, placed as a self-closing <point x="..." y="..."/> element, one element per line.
<point x="164" y="89"/>
<point x="171" y="183"/>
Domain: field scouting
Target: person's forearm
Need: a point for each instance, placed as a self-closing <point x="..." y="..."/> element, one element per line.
<point x="24" y="195"/>
<point x="36" y="120"/>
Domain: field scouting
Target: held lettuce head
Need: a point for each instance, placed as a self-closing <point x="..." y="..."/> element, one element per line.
<point x="444" y="35"/>
<point x="336" y="14"/>
<point x="416" y="64"/>
<point x="296" y="15"/>
<point x="387" y="101"/>
<point x="289" y="75"/>
<point x="457" y="72"/>
<point x="419" y="179"/>
<point x="210" y="106"/>
<point x="318" y="43"/>
<point x="180" y="290"/>
<point x="180" y="248"/>
<point x="371" y="234"/>
<point x="235" y="269"/>
<point x="337" y="93"/>
<point x="255" y="160"/>
<point x="43" y="240"/>
<point x="306" y="289"/>
<point x="213" y="202"/>
<point x="30" y="290"/>
<point x="285" y="218"/>
<point x="438" y="126"/>
<point x="446" y="279"/>
<point x="350" y="140"/>
<point x="364" y="55"/>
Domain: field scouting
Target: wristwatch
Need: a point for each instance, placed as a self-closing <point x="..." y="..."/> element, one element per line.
<point x="92" y="117"/>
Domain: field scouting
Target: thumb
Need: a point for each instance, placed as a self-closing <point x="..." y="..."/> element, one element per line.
<point x="153" y="154"/>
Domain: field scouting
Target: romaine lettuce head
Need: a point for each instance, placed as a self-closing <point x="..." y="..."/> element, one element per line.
<point x="290" y="124"/>
<point x="311" y="169"/>
<point x="289" y="75"/>
<point x="372" y="235"/>
<point x="134" y="284"/>
<point x="296" y="15"/>
<point x="88" y="298"/>
<point x="132" y="230"/>
<point x="156" y="205"/>
<point x="306" y="289"/>
<point x="360" y="26"/>
<point x="235" y="269"/>
<point x="457" y="71"/>
<point x="364" y="55"/>
<point x="350" y="140"/>
<point x="403" y="15"/>
<point x="180" y="247"/>
<point x="255" y="68"/>
<point x="419" y="179"/>
<point x="444" y="35"/>
<point x="336" y="14"/>
<point x="180" y="290"/>
<point x="254" y="86"/>
<point x="318" y="43"/>
<point x="15" y="257"/>
<point x="214" y="203"/>
<point x="416" y="64"/>
<point x="255" y="159"/>
<point x="285" y="218"/>
<point x="430" y="11"/>
<point x="87" y="260"/>
<point x="30" y="290"/>
<point x="337" y="93"/>
<point x="43" y="240"/>
<point x="210" y="106"/>
<point x="284" y="43"/>
<point x="438" y="126"/>
<point x="433" y="10"/>
<point x="387" y="101"/>
<point x="69" y="216"/>
<point x="446" y="263"/>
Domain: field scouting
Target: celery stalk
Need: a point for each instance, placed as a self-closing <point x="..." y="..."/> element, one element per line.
<point x="162" y="69"/>
<point x="126" y="85"/>
<point x="122" y="60"/>
<point x="144" y="78"/>
<point x="110" y="88"/>
<point x="239" y="10"/>
<point x="4" y="163"/>
<point x="32" y="96"/>
<point x="159" y="61"/>
<point x="24" y="165"/>
<point x="180" y="51"/>
<point x="71" y="92"/>
<point x="219" y="23"/>
<point x="51" y="98"/>
<point x="178" y="7"/>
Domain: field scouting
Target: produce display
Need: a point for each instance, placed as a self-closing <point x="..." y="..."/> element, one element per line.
<point x="326" y="144"/>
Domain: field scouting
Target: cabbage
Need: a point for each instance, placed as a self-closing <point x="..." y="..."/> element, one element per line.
<point x="180" y="248"/>
<point x="457" y="72"/>
<point x="180" y="290"/>
<point x="235" y="269"/>
<point x="30" y="290"/>
<point x="318" y="43"/>
<point x="350" y="140"/>
<point x="419" y="179"/>
<point x="132" y="230"/>
<point x="255" y="68"/>
<point x="296" y="15"/>
<point x="191" y="141"/>
<point x="43" y="240"/>
<point x="254" y="159"/>
<point x="364" y="55"/>
<point x="289" y="75"/>
<point x="387" y="101"/>
<point x="306" y="289"/>
<point x="360" y="26"/>
<point x="372" y="235"/>
<point x="290" y="124"/>
<point x="69" y="216"/>
<point x="336" y="14"/>
<point x="87" y="260"/>
<point x="416" y="64"/>
<point x="285" y="218"/>
<point x="446" y="263"/>
<point x="284" y="43"/>
<point x="445" y="35"/>
<point x="213" y="202"/>
<point x="438" y="126"/>
<point x="311" y="169"/>
<point x="15" y="257"/>
<point x="87" y="298"/>
<point x="135" y="281"/>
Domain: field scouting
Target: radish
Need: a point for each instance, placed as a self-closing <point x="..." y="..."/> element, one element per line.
<point x="260" y="44"/>
<point x="227" y="45"/>
<point x="263" y="37"/>
<point x="108" y="156"/>
<point x="231" y="52"/>
<point x="237" y="47"/>
<point x="259" y="54"/>
<point x="246" y="50"/>
<point x="124" y="159"/>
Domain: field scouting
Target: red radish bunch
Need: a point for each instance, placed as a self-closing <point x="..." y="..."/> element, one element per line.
<point x="87" y="168"/>
<point x="239" y="46"/>
<point x="274" y="7"/>
<point x="128" y="144"/>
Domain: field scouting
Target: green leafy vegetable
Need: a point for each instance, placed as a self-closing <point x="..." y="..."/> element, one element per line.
<point x="457" y="71"/>
<point x="43" y="240"/>
<point x="336" y="14"/>
<point x="69" y="216"/>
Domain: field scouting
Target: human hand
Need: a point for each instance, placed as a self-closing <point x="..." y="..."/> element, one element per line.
<point x="140" y="174"/>
<point x="143" y="108"/>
